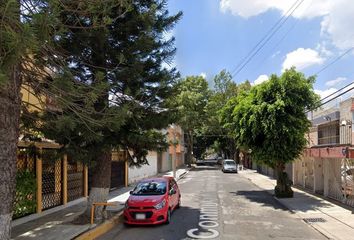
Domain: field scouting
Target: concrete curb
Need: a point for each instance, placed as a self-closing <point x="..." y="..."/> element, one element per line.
<point x="184" y="174"/>
<point x="102" y="228"/>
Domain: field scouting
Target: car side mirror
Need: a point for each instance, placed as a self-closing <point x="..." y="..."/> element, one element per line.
<point x="172" y="191"/>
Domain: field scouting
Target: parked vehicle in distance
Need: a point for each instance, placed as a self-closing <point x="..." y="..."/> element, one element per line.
<point x="200" y="162"/>
<point x="206" y="162"/>
<point x="152" y="201"/>
<point x="229" y="165"/>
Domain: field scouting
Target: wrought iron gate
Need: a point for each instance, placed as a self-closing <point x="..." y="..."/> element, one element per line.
<point x="341" y="182"/>
<point x="347" y="173"/>
<point x="51" y="183"/>
<point x="75" y="180"/>
<point x="117" y="174"/>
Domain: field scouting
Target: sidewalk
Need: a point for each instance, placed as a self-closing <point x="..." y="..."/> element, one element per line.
<point x="57" y="225"/>
<point x="333" y="221"/>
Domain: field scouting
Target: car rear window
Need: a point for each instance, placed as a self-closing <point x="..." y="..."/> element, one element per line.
<point x="150" y="188"/>
<point x="229" y="163"/>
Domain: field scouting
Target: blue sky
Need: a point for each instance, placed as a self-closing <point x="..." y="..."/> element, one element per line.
<point x="217" y="34"/>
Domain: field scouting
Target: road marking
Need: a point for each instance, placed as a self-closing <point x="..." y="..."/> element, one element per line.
<point x="208" y="219"/>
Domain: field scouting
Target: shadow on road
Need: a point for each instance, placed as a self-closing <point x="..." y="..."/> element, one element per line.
<point x="301" y="202"/>
<point x="261" y="197"/>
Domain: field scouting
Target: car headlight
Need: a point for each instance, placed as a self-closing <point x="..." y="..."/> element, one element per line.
<point x="160" y="205"/>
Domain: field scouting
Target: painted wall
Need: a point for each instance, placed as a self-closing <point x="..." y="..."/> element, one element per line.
<point x="166" y="162"/>
<point x="135" y="174"/>
<point x="174" y="133"/>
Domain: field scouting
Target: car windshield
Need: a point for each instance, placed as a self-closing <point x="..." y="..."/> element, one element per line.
<point x="229" y="163"/>
<point x="150" y="188"/>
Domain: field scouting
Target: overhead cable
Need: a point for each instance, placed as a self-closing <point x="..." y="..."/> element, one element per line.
<point x="266" y="38"/>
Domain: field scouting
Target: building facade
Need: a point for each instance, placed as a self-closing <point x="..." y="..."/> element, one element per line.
<point x="175" y="138"/>
<point x="327" y="165"/>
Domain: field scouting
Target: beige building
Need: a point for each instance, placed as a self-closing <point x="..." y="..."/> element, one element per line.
<point x="175" y="136"/>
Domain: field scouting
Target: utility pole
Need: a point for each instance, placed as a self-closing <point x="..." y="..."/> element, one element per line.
<point x="174" y="151"/>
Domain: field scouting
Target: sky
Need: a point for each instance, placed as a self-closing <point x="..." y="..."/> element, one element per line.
<point x="220" y="34"/>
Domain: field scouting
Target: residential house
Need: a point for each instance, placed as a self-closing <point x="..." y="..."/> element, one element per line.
<point x="327" y="165"/>
<point x="175" y="136"/>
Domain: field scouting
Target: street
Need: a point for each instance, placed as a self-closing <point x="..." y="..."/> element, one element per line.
<point x="222" y="206"/>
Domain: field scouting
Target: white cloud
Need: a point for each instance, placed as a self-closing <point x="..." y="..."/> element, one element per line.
<point x="337" y="15"/>
<point x="302" y="58"/>
<point x="260" y="79"/>
<point x="251" y="8"/>
<point x="336" y="81"/>
<point x="325" y="93"/>
<point x="323" y="49"/>
<point x="203" y="75"/>
<point x="338" y="24"/>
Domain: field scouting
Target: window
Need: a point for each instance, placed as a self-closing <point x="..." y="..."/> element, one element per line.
<point x="328" y="134"/>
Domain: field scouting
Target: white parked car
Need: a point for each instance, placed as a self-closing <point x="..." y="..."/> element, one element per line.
<point x="229" y="165"/>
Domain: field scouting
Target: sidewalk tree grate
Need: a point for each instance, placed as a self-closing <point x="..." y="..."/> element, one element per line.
<point x="314" y="220"/>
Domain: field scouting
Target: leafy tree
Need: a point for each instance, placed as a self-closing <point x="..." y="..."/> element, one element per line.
<point x="271" y="121"/>
<point x="190" y="101"/>
<point x="213" y="130"/>
<point x="226" y="118"/>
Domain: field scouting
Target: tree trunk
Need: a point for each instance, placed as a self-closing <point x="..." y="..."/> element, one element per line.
<point x="101" y="181"/>
<point x="10" y="102"/>
<point x="283" y="187"/>
<point x="189" y="148"/>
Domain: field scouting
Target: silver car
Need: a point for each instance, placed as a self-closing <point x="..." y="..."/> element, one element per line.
<point x="229" y="165"/>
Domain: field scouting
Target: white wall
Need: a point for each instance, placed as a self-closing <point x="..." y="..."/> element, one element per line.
<point x="166" y="162"/>
<point x="135" y="174"/>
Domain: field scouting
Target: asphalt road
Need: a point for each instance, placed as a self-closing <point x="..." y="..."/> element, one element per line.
<point x="216" y="205"/>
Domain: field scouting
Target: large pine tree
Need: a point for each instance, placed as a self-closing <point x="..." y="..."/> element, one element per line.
<point x="116" y="84"/>
<point x="100" y="63"/>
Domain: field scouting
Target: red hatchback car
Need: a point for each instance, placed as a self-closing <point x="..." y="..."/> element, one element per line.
<point x="152" y="201"/>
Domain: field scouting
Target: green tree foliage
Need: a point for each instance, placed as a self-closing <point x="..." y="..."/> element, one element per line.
<point x="214" y="132"/>
<point x="271" y="120"/>
<point x="25" y="194"/>
<point x="115" y="86"/>
<point x="118" y="79"/>
<point x="190" y="101"/>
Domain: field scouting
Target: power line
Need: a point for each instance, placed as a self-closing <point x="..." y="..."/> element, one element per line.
<point x="279" y="42"/>
<point x="348" y="90"/>
<point x="330" y="95"/>
<point x="266" y="38"/>
<point x="334" y="61"/>
<point x="339" y="90"/>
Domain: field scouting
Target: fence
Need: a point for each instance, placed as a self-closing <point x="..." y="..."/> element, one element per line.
<point x="332" y="177"/>
<point x="45" y="180"/>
